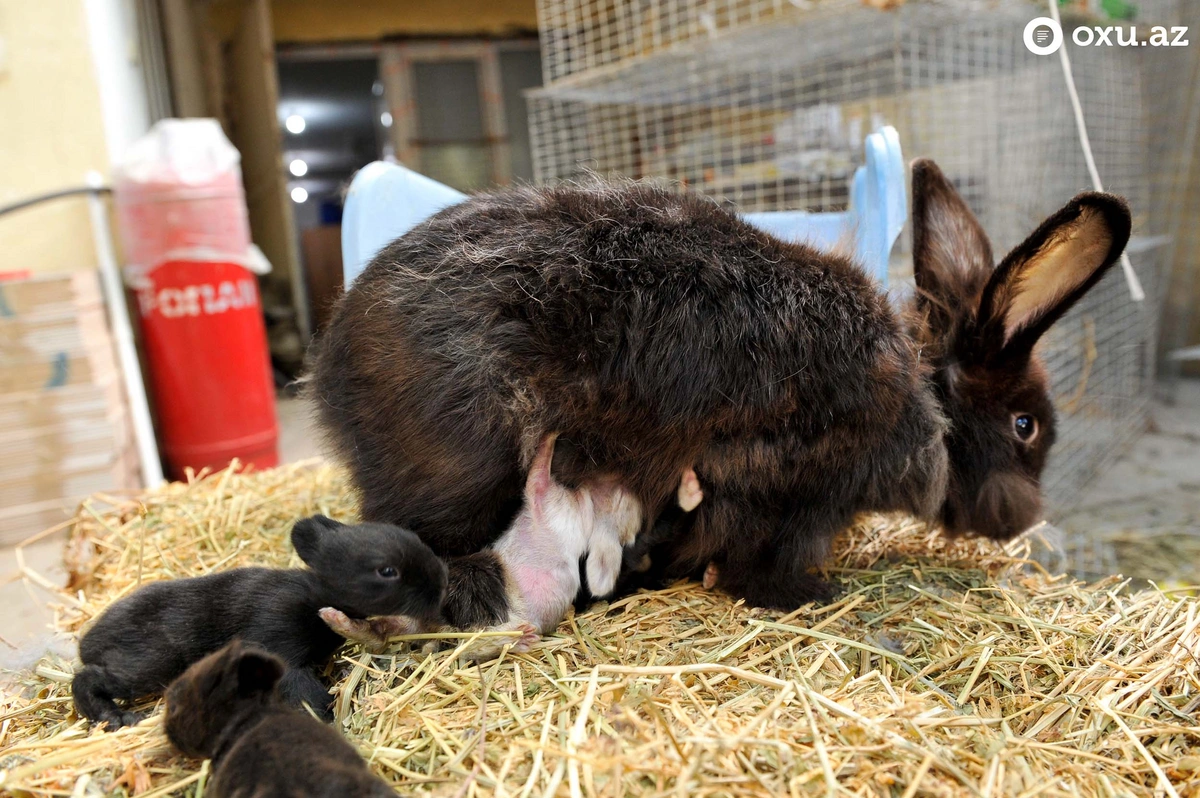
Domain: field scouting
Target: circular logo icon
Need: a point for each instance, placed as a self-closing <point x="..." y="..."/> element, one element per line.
<point x="1043" y="36"/>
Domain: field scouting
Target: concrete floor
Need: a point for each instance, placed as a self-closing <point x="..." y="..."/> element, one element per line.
<point x="1153" y="492"/>
<point x="1141" y="517"/>
<point x="25" y="622"/>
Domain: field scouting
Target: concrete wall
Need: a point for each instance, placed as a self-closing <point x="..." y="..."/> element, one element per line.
<point x="52" y="132"/>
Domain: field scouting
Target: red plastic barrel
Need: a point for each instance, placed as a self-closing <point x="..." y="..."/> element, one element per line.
<point x="186" y="237"/>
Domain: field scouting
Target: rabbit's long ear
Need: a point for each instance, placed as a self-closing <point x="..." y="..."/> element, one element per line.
<point x="257" y="671"/>
<point x="307" y="535"/>
<point x="1047" y="273"/>
<point x="951" y="252"/>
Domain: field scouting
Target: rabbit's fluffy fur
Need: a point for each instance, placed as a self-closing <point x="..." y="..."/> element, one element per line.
<point x="652" y="332"/>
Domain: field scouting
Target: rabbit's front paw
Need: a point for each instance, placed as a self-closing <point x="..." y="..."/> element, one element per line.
<point x="372" y="633"/>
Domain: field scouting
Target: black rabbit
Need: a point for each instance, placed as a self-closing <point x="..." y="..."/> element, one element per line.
<point x="142" y="642"/>
<point x="227" y="707"/>
<point x="654" y="332"/>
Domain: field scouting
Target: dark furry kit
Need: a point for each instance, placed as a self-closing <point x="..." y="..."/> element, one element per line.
<point x="227" y="708"/>
<point x="142" y="642"/>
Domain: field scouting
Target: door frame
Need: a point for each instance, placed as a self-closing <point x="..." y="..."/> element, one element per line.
<point x="396" y="60"/>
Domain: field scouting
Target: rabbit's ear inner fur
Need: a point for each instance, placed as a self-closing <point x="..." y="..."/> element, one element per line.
<point x="952" y="256"/>
<point x="997" y="315"/>
<point x="1048" y="272"/>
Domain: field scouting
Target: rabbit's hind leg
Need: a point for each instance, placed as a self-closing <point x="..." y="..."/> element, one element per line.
<point x="768" y="550"/>
<point x="94" y="690"/>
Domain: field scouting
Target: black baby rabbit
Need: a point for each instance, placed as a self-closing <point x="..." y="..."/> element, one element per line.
<point x="142" y="642"/>
<point x="227" y="707"/>
<point x="654" y="332"/>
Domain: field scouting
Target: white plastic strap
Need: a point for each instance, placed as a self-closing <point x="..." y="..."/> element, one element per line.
<point x="1135" y="286"/>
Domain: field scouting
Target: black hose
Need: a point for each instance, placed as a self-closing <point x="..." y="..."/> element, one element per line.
<point x="53" y="195"/>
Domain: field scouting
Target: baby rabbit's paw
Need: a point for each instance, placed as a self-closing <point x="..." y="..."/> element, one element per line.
<point x="526" y="636"/>
<point x="603" y="565"/>
<point x="371" y="633"/>
<point x="358" y="631"/>
<point x="120" y="719"/>
<point x="522" y="637"/>
<point x="386" y="627"/>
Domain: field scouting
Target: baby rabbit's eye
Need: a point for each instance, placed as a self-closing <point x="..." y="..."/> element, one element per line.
<point x="388" y="572"/>
<point x="1025" y="426"/>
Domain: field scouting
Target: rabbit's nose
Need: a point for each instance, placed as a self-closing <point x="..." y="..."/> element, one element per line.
<point x="1008" y="503"/>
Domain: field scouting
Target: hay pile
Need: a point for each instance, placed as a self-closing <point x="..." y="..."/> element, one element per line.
<point x="944" y="669"/>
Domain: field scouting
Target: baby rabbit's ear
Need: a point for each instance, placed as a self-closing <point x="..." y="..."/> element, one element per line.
<point x="257" y="672"/>
<point x="950" y="249"/>
<point x="1047" y="273"/>
<point x="308" y="533"/>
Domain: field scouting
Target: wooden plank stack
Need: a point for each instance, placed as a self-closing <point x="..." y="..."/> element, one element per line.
<point x="64" y="422"/>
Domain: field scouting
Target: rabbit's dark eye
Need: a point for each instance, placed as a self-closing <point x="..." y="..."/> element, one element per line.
<point x="1025" y="427"/>
<point x="388" y="572"/>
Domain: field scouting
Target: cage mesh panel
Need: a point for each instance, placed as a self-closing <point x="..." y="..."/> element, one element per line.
<point x="765" y="104"/>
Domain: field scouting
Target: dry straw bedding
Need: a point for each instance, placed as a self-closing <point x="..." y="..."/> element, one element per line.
<point x="943" y="669"/>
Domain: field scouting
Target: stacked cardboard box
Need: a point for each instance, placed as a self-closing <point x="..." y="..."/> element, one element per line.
<point x="64" y="423"/>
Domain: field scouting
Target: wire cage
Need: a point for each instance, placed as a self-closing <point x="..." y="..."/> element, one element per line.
<point x="765" y="103"/>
